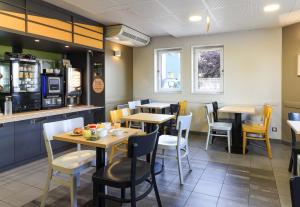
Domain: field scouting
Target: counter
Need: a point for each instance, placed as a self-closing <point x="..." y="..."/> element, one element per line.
<point x="21" y="135"/>
<point x="45" y="113"/>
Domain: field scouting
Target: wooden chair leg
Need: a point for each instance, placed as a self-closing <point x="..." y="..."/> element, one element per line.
<point x="156" y="190"/>
<point x="295" y="164"/>
<point x="47" y="186"/>
<point x="188" y="161"/>
<point x="244" y="142"/>
<point x="133" y="196"/>
<point x="123" y="193"/>
<point x="207" y="139"/>
<point x="73" y="190"/>
<point x="229" y="141"/>
<point x="268" y="145"/>
<point x="112" y="153"/>
<point x="291" y="163"/>
<point x="179" y="166"/>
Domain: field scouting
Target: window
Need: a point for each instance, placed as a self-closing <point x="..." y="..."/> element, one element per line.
<point x="208" y="70"/>
<point x="167" y="70"/>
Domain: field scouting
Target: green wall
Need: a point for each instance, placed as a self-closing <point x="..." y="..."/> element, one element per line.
<point x="38" y="53"/>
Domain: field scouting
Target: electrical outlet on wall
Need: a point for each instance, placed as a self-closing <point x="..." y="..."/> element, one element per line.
<point x="274" y="129"/>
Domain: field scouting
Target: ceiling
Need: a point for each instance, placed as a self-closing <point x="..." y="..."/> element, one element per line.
<point x="170" y="17"/>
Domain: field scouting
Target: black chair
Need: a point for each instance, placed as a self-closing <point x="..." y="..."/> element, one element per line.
<point x="171" y="125"/>
<point x="295" y="151"/>
<point x="130" y="171"/>
<point x="295" y="191"/>
<point x="216" y="117"/>
<point x="145" y="101"/>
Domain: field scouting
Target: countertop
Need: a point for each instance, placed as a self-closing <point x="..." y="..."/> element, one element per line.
<point x="44" y="113"/>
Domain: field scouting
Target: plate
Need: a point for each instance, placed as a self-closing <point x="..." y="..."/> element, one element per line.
<point x="75" y="135"/>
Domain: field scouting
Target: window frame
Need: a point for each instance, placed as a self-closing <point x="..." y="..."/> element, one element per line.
<point x="157" y="71"/>
<point x="194" y="82"/>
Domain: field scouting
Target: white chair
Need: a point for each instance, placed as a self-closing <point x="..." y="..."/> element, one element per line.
<point x="132" y="105"/>
<point x="178" y="143"/>
<point x="66" y="169"/>
<point x="215" y="127"/>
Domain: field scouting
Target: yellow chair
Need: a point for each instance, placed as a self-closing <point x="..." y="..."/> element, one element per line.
<point x="116" y="117"/>
<point x="182" y="107"/>
<point x="259" y="132"/>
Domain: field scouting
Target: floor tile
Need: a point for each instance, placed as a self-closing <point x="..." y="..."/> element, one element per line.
<point x="201" y="200"/>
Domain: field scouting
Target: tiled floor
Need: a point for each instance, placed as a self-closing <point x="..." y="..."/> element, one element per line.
<point x="218" y="179"/>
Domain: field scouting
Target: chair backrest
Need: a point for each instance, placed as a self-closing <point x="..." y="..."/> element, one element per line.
<point x="209" y="113"/>
<point x="267" y="110"/>
<point x="145" y="101"/>
<point x="295" y="191"/>
<point x="138" y="102"/>
<point x="174" y="110"/>
<point x="116" y="116"/>
<point x="292" y="116"/>
<point x="122" y="106"/>
<point x="215" y="107"/>
<point x="183" y="126"/>
<point x="183" y="105"/>
<point x="143" y="145"/>
<point x="132" y="105"/>
<point x="52" y="128"/>
<point x="125" y="112"/>
<point x="184" y="122"/>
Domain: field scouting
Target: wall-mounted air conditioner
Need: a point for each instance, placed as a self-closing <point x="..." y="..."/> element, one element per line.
<point x="126" y="36"/>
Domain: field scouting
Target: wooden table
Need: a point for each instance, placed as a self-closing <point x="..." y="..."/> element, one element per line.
<point x="153" y="106"/>
<point x="295" y="125"/>
<point x="149" y="118"/>
<point x="237" y="140"/>
<point x="101" y="146"/>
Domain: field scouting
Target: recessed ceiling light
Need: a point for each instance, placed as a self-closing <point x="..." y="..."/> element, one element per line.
<point x="66" y="46"/>
<point x="195" y="18"/>
<point x="36" y="40"/>
<point x="271" y="7"/>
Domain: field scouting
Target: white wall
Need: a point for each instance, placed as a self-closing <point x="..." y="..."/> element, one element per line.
<point x="118" y="76"/>
<point x="252" y="65"/>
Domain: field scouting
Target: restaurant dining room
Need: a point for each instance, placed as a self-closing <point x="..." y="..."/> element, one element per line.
<point x="150" y="103"/>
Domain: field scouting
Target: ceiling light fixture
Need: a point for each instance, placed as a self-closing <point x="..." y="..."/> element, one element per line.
<point x="195" y="18"/>
<point x="271" y="7"/>
<point x="36" y="40"/>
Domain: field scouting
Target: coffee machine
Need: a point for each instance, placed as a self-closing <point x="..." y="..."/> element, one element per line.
<point x="73" y="86"/>
<point x="52" y="90"/>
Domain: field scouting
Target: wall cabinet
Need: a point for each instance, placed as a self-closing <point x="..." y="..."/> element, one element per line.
<point x="27" y="139"/>
<point x="37" y="17"/>
<point x="87" y="33"/>
<point x="12" y="17"/>
<point x="49" y="22"/>
<point x="6" y="144"/>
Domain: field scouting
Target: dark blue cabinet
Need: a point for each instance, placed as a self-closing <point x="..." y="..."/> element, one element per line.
<point x="6" y="144"/>
<point x="27" y="139"/>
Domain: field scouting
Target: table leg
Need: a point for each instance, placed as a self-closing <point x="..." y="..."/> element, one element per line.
<point x="237" y="140"/>
<point x="100" y="162"/>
